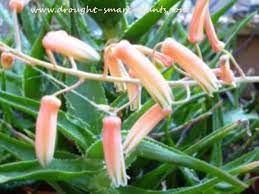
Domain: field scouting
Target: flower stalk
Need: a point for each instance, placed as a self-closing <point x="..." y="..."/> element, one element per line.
<point x="28" y="60"/>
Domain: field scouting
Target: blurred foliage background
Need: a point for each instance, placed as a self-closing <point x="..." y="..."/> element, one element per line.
<point x="181" y="160"/>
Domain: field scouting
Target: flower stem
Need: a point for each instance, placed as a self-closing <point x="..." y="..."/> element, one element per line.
<point x="237" y="67"/>
<point x="70" y="88"/>
<point x="99" y="77"/>
<point x="17" y="32"/>
<point x="198" y="50"/>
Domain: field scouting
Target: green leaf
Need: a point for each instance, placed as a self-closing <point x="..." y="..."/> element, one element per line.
<point x="70" y="126"/>
<point x="223" y="10"/>
<point x="196" y="189"/>
<point x="21" y="150"/>
<point x="163" y="170"/>
<point x="109" y="14"/>
<point x="213" y="137"/>
<point x="25" y="151"/>
<point x="59" y="170"/>
<point x="144" y="24"/>
<point x="93" y="90"/>
<point x="162" y="32"/>
<point x="160" y="152"/>
<point x="155" y="151"/>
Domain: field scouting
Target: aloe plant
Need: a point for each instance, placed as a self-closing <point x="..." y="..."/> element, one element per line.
<point x="203" y="144"/>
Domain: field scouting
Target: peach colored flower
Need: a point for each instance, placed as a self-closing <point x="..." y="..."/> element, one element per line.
<point x="116" y="69"/>
<point x="113" y="153"/>
<point x="46" y="129"/>
<point x="224" y="72"/>
<point x="143" y="126"/>
<point x="197" y="22"/>
<point x="7" y="60"/>
<point x="150" y="77"/>
<point x="18" y="5"/>
<point x="216" y="44"/>
<point x="62" y="43"/>
<point x="192" y="64"/>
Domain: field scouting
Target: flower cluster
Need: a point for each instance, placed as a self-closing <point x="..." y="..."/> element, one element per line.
<point x="126" y="60"/>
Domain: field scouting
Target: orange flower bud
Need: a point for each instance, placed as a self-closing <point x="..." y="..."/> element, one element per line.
<point x="116" y="69"/>
<point x="224" y="72"/>
<point x="143" y="126"/>
<point x="46" y="129"/>
<point x="113" y="153"/>
<point x="7" y="60"/>
<point x="150" y="77"/>
<point x="18" y="5"/>
<point x="192" y="64"/>
<point x="61" y="42"/>
<point x="216" y="44"/>
<point x="197" y="22"/>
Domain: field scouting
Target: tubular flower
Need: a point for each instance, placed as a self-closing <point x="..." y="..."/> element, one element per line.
<point x="113" y="153"/>
<point x="160" y="57"/>
<point x="134" y="93"/>
<point x="116" y="69"/>
<point x="224" y="72"/>
<point x="61" y="42"/>
<point x="197" y="22"/>
<point x="46" y="129"/>
<point x="150" y="77"/>
<point x="216" y="44"/>
<point x="7" y="60"/>
<point x="18" y="5"/>
<point x="143" y="126"/>
<point x="192" y="64"/>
